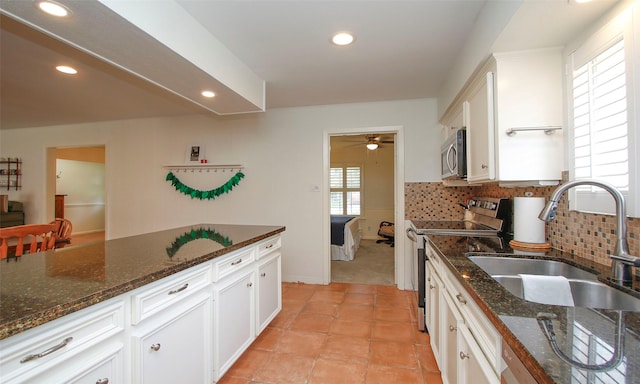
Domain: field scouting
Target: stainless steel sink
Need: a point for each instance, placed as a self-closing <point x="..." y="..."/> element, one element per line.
<point x="586" y="290"/>
<point x="514" y="266"/>
<point x="586" y="293"/>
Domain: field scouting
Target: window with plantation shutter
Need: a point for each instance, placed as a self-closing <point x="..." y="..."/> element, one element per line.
<point x="345" y="192"/>
<point x="600" y="138"/>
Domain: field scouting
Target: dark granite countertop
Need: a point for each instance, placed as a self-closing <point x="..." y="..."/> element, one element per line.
<point x="577" y="329"/>
<point x="41" y="287"/>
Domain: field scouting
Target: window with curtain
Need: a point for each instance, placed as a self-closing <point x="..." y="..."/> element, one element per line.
<point x="600" y="136"/>
<point x="345" y="184"/>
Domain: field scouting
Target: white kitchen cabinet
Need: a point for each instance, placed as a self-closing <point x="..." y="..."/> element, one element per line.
<point x="466" y="345"/>
<point x="513" y="114"/>
<point x="473" y="367"/>
<point x="269" y="290"/>
<point x="63" y="347"/>
<point x="234" y="319"/>
<point x="434" y="286"/>
<point x="175" y="346"/>
<point x="478" y="116"/>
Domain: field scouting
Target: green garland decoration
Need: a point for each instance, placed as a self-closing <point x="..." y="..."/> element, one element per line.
<point x="195" y="234"/>
<point x="210" y="194"/>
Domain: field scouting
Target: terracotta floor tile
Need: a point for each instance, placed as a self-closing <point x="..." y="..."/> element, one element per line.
<point x="346" y="348"/>
<point x="432" y="377"/>
<point x="393" y="354"/>
<point x="293" y="304"/>
<point x="248" y="364"/>
<point x="355" y="312"/>
<point x="312" y="322"/>
<point x="359" y="298"/>
<point x="335" y="297"/>
<point x="351" y="328"/>
<point x="393" y="331"/>
<point x="361" y="288"/>
<point x="233" y="380"/>
<point x="284" y="318"/>
<point x="396" y="301"/>
<point x="286" y="368"/>
<point x="301" y="343"/>
<point x="342" y="287"/>
<point x="388" y="290"/>
<point x="328" y="371"/>
<point x="320" y="307"/>
<point x="386" y="375"/>
<point x="392" y="314"/>
<point x="426" y="358"/>
<point x="419" y="336"/>
<point x="268" y="339"/>
<point x="297" y="294"/>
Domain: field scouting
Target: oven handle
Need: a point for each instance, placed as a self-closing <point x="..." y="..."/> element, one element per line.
<point x="411" y="234"/>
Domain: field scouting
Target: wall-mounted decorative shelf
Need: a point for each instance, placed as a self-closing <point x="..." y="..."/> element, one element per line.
<point x="11" y="174"/>
<point x="201" y="167"/>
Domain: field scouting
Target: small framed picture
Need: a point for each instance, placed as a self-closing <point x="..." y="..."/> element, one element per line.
<point x="195" y="154"/>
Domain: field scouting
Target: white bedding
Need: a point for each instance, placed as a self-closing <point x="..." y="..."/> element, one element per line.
<point x="347" y="251"/>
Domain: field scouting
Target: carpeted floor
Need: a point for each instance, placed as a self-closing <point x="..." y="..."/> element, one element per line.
<point x="373" y="264"/>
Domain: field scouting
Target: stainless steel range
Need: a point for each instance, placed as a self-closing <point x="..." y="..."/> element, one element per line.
<point x="483" y="217"/>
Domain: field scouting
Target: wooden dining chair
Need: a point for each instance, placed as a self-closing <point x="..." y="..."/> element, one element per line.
<point x="63" y="231"/>
<point x="29" y="238"/>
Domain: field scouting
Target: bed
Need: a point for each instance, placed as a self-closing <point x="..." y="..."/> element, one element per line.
<point x="345" y="237"/>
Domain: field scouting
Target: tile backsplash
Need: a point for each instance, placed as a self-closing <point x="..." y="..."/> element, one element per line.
<point x="586" y="235"/>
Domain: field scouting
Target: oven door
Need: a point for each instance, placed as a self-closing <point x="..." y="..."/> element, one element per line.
<point x="418" y="243"/>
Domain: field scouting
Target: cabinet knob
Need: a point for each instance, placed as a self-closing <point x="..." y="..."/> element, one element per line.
<point x="452" y="328"/>
<point x="461" y="298"/>
<point x="103" y="381"/>
<point x="463" y="355"/>
<point x="155" y="347"/>
<point x="249" y="285"/>
<point x="263" y="274"/>
<point x="431" y="286"/>
<point x="484" y="166"/>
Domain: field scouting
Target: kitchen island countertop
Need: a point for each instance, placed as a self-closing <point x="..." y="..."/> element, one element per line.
<point x="577" y="329"/>
<point x="38" y="288"/>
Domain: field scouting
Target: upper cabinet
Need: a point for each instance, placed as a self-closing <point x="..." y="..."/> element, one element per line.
<point x="512" y="110"/>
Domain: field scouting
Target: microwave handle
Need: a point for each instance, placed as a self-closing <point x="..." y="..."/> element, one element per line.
<point x="451" y="149"/>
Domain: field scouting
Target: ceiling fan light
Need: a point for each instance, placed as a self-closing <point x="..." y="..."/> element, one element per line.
<point x="372" y="145"/>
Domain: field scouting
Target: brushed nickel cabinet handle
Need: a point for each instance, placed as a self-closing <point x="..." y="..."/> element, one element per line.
<point x="461" y="298"/>
<point x="155" y="347"/>
<point x="103" y="381"/>
<point x="48" y="351"/>
<point x="463" y="355"/>
<point x="249" y="285"/>
<point x="179" y="289"/>
<point x="452" y="328"/>
<point x="263" y="274"/>
<point x="237" y="262"/>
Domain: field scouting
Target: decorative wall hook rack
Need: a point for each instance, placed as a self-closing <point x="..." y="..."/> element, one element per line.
<point x="204" y="167"/>
<point x="547" y="130"/>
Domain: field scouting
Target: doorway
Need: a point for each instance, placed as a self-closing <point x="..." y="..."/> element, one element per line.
<point x="382" y="196"/>
<point x="78" y="187"/>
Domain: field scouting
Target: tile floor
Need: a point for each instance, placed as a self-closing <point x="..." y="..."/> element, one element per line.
<point x="339" y="333"/>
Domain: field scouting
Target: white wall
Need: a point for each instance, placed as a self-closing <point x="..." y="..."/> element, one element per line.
<point x="282" y="151"/>
<point x="83" y="184"/>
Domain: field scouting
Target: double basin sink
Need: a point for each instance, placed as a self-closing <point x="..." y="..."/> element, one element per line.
<point x="586" y="290"/>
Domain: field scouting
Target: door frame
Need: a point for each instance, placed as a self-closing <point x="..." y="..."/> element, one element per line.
<point x="399" y="254"/>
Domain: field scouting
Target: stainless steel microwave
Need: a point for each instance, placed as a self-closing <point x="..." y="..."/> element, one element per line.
<point x="453" y="156"/>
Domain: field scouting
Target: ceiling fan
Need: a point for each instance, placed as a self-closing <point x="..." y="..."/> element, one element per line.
<point x="373" y="142"/>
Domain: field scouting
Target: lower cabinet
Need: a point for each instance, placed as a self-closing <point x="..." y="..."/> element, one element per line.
<point x="269" y="290"/>
<point x="465" y="344"/>
<point x="177" y="347"/>
<point x="189" y="327"/>
<point x="234" y="324"/>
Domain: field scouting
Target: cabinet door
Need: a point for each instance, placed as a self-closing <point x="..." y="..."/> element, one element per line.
<point x="234" y="319"/>
<point x="433" y="291"/>
<point x="451" y="321"/>
<point x="473" y="367"/>
<point x="479" y="113"/>
<point x="177" y="350"/>
<point x="269" y="291"/>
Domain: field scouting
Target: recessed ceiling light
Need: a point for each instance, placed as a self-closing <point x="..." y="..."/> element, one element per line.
<point x="342" y="38"/>
<point x="53" y="8"/>
<point x="66" y="69"/>
<point x="208" y="94"/>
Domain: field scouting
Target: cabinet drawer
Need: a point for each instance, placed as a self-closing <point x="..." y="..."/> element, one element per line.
<point x="42" y="348"/>
<point x="155" y="297"/>
<point x="269" y="246"/>
<point x="233" y="262"/>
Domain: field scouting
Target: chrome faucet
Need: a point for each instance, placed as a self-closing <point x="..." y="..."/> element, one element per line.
<point x="622" y="261"/>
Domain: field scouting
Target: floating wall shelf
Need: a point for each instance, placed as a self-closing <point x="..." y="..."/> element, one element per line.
<point x="200" y="167"/>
